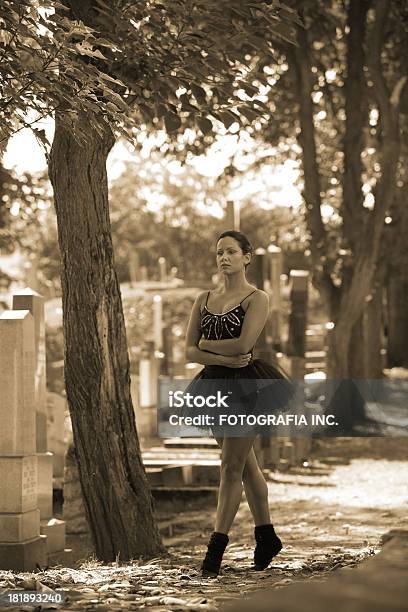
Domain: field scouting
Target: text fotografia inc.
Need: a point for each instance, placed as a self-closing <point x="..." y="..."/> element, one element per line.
<point x="274" y="420"/>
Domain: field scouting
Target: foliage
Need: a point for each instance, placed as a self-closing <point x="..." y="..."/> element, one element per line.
<point x="335" y="96"/>
<point x="23" y="200"/>
<point x="132" y="63"/>
<point x="157" y="209"/>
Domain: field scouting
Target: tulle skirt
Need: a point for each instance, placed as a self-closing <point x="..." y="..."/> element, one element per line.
<point x="260" y="388"/>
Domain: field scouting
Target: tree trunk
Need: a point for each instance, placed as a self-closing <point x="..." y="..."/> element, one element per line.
<point x="373" y="332"/>
<point x="356" y="350"/>
<point x="366" y="340"/>
<point x="118" y="502"/>
<point x="397" y="311"/>
<point x="346" y="403"/>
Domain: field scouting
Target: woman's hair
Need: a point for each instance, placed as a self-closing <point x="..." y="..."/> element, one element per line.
<point x="242" y="240"/>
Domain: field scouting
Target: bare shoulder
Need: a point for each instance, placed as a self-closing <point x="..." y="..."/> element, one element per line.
<point x="259" y="294"/>
<point x="200" y="299"/>
<point x="258" y="298"/>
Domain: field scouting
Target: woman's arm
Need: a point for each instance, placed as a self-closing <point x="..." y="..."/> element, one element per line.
<point x="254" y="322"/>
<point x="193" y="335"/>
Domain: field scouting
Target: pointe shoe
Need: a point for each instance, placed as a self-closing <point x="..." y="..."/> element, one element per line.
<point x="210" y="567"/>
<point x="268" y="545"/>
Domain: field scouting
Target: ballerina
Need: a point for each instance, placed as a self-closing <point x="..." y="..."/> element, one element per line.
<point x="223" y="328"/>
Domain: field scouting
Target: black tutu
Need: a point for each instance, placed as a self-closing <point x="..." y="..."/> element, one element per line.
<point x="257" y="389"/>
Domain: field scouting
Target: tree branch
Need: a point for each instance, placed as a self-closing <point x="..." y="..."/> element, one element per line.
<point x="382" y="94"/>
<point x="298" y="58"/>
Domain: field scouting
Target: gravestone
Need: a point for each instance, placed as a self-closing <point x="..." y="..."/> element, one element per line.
<point x="145" y="412"/>
<point x="32" y="301"/>
<point x="22" y="547"/>
<point x="167" y="363"/>
<point x="275" y="272"/>
<point x="144" y="275"/>
<point x="298" y="322"/>
<point x="231" y="218"/>
<point x="257" y="273"/>
<point x="163" y="269"/>
<point x="158" y="322"/>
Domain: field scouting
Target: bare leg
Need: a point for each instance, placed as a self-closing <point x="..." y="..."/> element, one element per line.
<point x="268" y="544"/>
<point x="256" y="489"/>
<point x="234" y="454"/>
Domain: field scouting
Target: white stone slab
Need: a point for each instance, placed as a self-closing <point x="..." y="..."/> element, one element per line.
<point x="18" y="484"/>
<point x="24" y="556"/>
<point x="17" y="375"/>
<point x="28" y="299"/>
<point x="54" y="529"/>
<point x="44" y="484"/>
<point x="19" y="527"/>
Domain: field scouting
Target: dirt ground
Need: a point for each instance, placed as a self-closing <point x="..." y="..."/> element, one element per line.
<point x="329" y="514"/>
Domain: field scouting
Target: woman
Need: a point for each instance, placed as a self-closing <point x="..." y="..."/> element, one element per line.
<point x="223" y="329"/>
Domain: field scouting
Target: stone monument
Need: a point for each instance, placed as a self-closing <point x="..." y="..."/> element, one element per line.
<point x="22" y="548"/>
<point x="51" y="527"/>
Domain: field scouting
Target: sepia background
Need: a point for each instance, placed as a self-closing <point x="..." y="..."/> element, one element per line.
<point x="127" y="149"/>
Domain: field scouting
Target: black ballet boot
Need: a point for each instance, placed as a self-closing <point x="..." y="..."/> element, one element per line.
<point x="267" y="546"/>
<point x="212" y="560"/>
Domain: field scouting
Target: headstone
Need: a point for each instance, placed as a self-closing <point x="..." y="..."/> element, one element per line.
<point x="275" y="272"/>
<point x="162" y="268"/>
<point x="146" y="416"/>
<point x="34" y="302"/>
<point x="231" y="219"/>
<point x="22" y="547"/>
<point x="17" y="377"/>
<point x="298" y="321"/>
<point x="167" y="363"/>
<point x="158" y="322"/>
<point x="148" y="374"/>
<point x="143" y="274"/>
<point x="257" y="274"/>
<point x="257" y="271"/>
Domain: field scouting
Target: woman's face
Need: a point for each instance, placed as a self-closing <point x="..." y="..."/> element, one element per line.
<point x="230" y="257"/>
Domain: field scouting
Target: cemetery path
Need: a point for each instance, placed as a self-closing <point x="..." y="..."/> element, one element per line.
<point x="328" y="517"/>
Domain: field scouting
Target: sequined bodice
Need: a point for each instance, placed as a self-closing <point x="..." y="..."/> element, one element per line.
<point x="222" y="326"/>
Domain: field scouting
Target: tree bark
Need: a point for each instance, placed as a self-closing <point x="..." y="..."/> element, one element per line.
<point x="397" y="315"/>
<point x="373" y="331"/>
<point x="357" y="349"/>
<point x="299" y="60"/>
<point x="118" y="502"/>
<point x="355" y="106"/>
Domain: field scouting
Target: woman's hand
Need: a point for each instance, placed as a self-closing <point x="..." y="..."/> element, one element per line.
<point x="236" y="361"/>
<point x="231" y="361"/>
